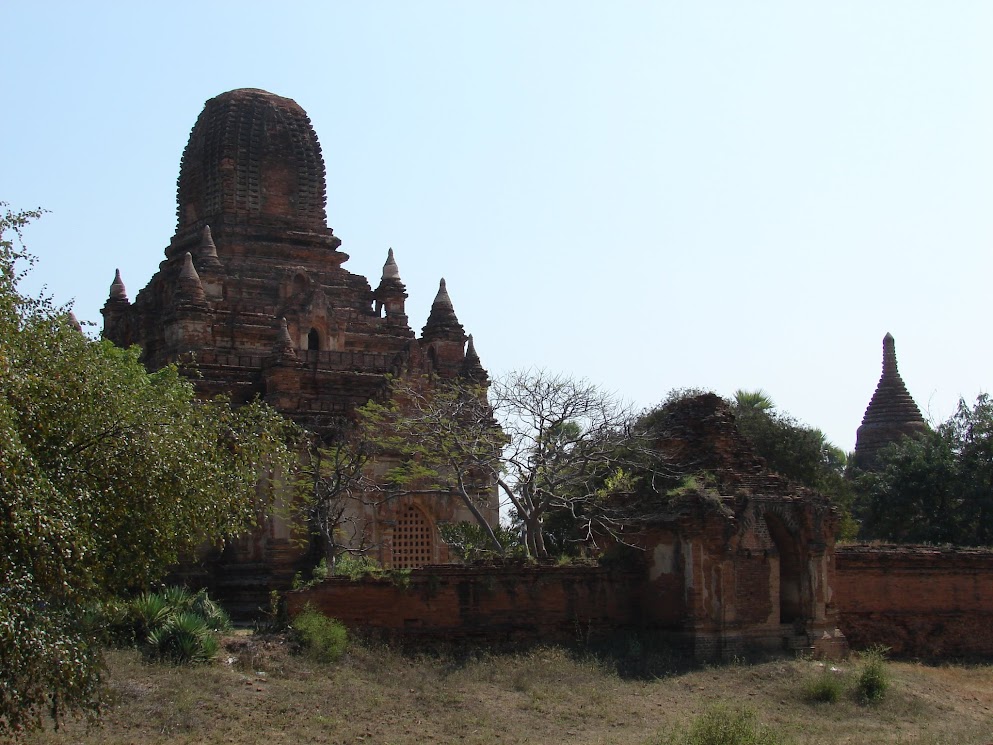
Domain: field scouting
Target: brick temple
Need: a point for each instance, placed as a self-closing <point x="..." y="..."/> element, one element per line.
<point x="253" y="293"/>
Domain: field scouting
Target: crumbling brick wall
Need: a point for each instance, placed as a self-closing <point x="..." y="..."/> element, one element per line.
<point x="918" y="600"/>
<point x="493" y="604"/>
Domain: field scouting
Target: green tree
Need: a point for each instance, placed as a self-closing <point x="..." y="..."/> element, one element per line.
<point x="935" y="488"/>
<point x="752" y="401"/>
<point x="794" y="450"/>
<point x="437" y="435"/>
<point x="107" y="475"/>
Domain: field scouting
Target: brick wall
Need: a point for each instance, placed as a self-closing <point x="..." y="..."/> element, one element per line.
<point x="491" y="604"/>
<point x="920" y="601"/>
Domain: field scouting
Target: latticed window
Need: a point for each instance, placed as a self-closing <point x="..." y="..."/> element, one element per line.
<point x="412" y="540"/>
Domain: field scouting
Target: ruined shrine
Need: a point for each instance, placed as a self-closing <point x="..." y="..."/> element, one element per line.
<point x="891" y="413"/>
<point x="253" y="299"/>
<point x="739" y="561"/>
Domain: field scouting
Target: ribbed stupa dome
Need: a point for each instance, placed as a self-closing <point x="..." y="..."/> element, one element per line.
<point x="891" y="414"/>
<point x="252" y="156"/>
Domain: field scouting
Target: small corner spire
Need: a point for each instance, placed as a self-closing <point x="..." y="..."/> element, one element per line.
<point x="207" y="253"/>
<point x="188" y="286"/>
<point x="442" y="322"/>
<point x="472" y="368"/>
<point x="284" y="344"/>
<point x="118" y="293"/>
<point x="470" y="350"/>
<point x="188" y="271"/>
<point x="390" y="268"/>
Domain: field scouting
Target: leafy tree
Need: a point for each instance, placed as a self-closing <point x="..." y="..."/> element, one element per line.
<point x="934" y="488"/>
<point x="752" y="401"/>
<point x="440" y="436"/>
<point x="794" y="450"/>
<point x="107" y="474"/>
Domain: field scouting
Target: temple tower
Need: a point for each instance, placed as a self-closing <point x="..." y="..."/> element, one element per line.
<point x="253" y="300"/>
<point x="891" y="414"/>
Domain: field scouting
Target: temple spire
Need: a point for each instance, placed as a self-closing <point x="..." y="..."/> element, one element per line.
<point x="891" y="413"/>
<point x="391" y="293"/>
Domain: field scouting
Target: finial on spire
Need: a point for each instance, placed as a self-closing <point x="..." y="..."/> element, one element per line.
<point x="117" y="290"/>
<point x="442" y="297"/>
<point x="889" y="355"/>
<point x="390" y="268"/>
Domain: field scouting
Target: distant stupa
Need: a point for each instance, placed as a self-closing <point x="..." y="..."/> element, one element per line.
<point x="891" y="413"/>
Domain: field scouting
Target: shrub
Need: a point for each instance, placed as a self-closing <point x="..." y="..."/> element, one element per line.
<point x="873" y="678"/>
<point x="184" y="638"/>
<point x="724" y="726"/>
<point x="357" y="567"/>
<point x="826" y="687"/>
<point x="173" y="625"/>
<point x="322" y="638"/>
<point x="216" y="618"/>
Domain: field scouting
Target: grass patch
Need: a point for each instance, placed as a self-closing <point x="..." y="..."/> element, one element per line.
<point x="260" y="692"/>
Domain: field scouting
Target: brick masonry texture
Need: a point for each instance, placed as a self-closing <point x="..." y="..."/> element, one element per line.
<point x="918" y="600"/>
<point x="495" y="604"/>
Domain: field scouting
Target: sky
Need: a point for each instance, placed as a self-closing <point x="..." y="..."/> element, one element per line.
<point x="647" y="195"/>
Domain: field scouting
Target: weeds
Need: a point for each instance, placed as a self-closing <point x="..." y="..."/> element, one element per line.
<point x="721" y="725"/>
<point x="272" y="620"/>
<point x="825" y="688"/>
<point x="322" y="638"/>
<point x="873" y="678"/>
<point x="360" y="567"/>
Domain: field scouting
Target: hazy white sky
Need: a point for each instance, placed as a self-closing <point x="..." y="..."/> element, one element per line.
<point x="649" y="195"/>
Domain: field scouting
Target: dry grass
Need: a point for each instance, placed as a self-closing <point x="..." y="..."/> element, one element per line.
<point x="260" y="693"/>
